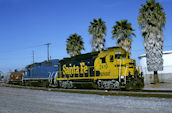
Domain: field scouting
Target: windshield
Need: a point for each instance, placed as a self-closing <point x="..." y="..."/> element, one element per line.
<point x="118" y="56"/>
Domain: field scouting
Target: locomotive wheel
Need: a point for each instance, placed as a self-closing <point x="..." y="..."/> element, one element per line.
<point x="66" y="84"/>
<point x="114" y="84"/>
<point x="70" y="84"/>
<point x="100" y="84"/>
<point x="106" y="84"/>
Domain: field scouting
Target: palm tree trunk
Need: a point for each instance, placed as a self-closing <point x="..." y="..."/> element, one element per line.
<point x="156" y="79"/>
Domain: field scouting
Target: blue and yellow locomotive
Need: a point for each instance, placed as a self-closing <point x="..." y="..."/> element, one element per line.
<point x="107" y="69"/>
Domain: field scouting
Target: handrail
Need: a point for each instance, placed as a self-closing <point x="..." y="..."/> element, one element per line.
<point x="120" y="72"/>
<point x="125" y="74"/>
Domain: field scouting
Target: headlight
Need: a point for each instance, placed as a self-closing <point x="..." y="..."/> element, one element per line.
<point x="122" y="77"/>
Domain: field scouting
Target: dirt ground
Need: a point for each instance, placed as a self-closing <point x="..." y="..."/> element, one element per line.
<point x="160" y="86"/>
<point x="17" y="100"/>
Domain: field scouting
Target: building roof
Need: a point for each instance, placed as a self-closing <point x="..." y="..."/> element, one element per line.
<point x="164" y="52"/>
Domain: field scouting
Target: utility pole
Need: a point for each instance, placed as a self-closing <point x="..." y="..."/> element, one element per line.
<point x="48" y="45"/>
<point x="33" y="56"/>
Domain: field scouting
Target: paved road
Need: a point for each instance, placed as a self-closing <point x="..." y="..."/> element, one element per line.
<point x="16" y="100"/>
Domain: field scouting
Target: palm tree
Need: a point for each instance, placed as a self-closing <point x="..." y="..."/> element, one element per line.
<point x="152" y="19"/>
<point x="74" y="45"/>
<point x="123" y="32"/>
<point x="98" y="30"/>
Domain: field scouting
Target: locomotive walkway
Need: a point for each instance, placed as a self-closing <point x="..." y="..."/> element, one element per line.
<point x="159" y="92"/>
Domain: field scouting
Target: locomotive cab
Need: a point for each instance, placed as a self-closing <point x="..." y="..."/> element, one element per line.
<point x="115" y="64"/>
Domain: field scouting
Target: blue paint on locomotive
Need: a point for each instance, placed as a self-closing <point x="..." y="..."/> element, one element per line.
<point x="42" y="70"/>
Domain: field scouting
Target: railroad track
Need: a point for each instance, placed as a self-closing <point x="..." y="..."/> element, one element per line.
<point x="137" y="93"/>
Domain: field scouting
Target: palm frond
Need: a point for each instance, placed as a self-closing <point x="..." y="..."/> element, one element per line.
<point x="123" y="32"/>
<point x="74" y="44"/>
<point x="98" y="29"/>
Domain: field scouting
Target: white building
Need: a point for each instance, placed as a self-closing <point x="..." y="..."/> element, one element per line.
<point x="165" y="75"/>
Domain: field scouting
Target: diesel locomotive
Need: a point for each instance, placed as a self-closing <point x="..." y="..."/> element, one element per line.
<point x="107" y="69"/>
<point x="41" y="74"/>
<point x="16" y="77"/>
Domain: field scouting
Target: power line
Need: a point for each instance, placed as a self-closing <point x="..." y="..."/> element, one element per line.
<point x="19" y="49"/>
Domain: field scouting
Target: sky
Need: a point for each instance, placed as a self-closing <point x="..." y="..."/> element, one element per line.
<point x="27" y="25"/>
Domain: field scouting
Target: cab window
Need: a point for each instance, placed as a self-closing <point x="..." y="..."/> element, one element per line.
<point x="117" y="56"/>
<point x="111" y="58"/>
<point x="124" y="56"/>
<point x="103" y="60"/>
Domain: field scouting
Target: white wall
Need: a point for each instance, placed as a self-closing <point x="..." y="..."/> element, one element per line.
<point x="165" y="75"/>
